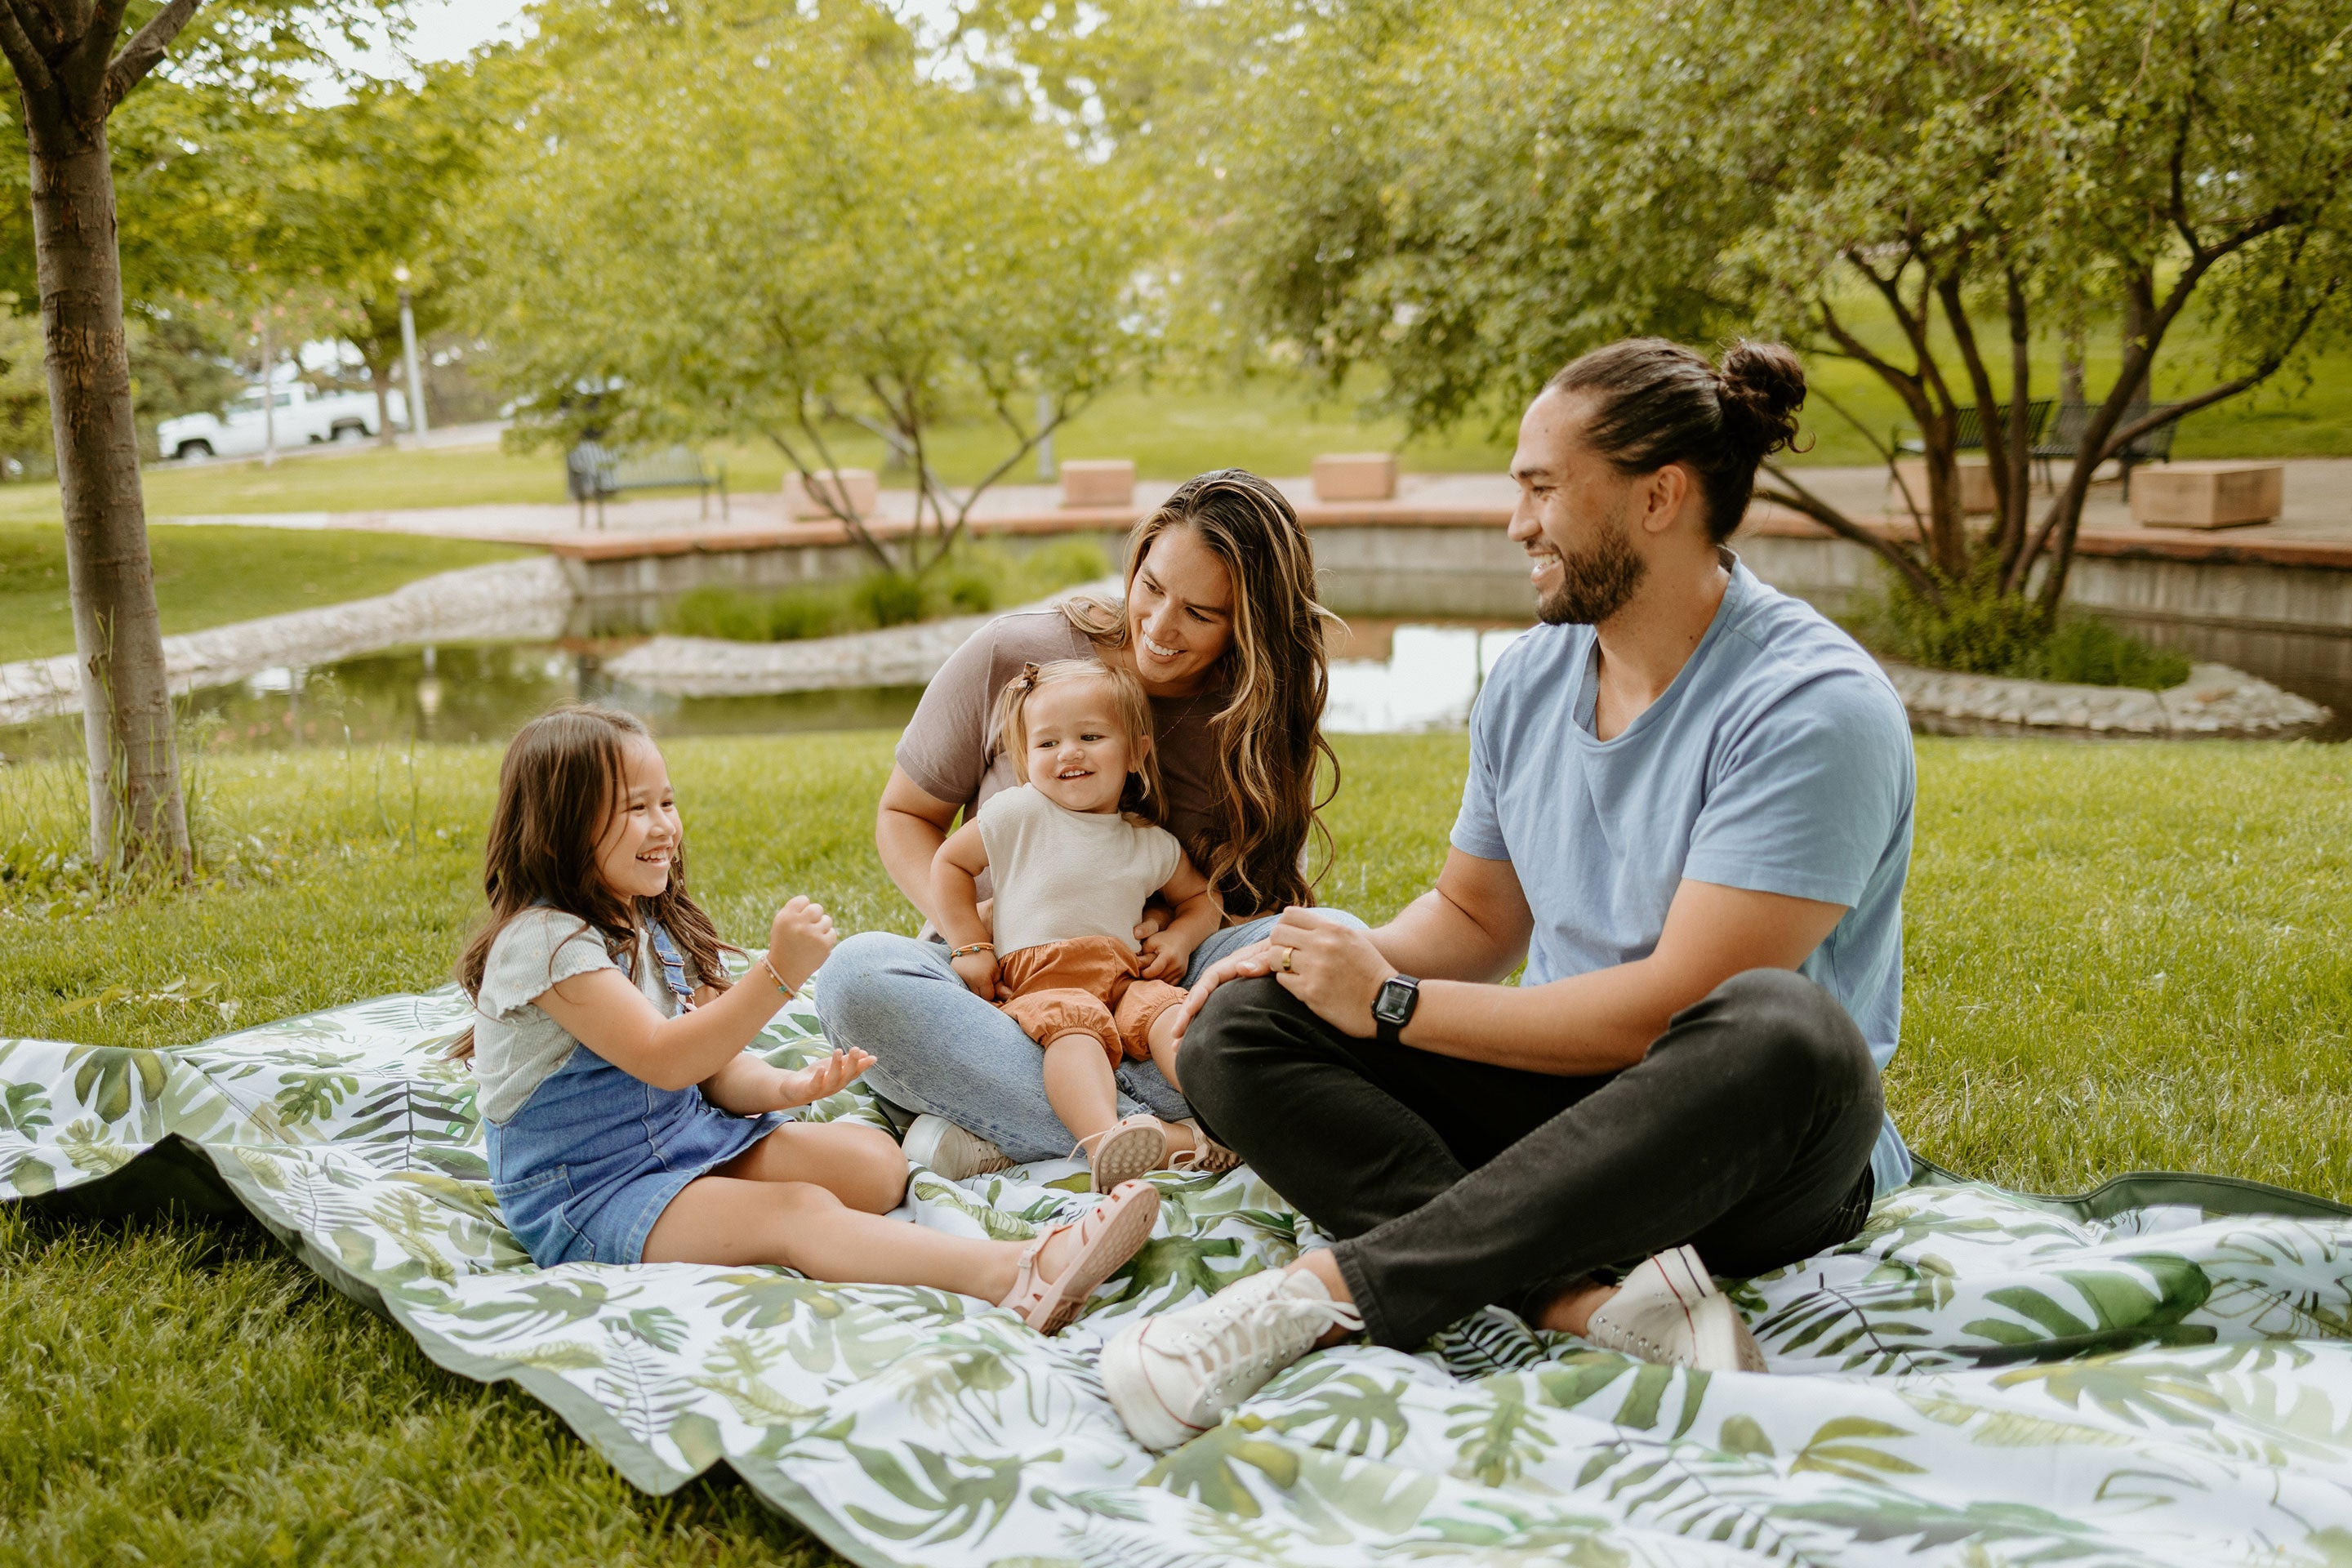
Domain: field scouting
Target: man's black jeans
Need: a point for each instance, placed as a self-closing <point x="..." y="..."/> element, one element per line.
<point x="1745" y="1132"/>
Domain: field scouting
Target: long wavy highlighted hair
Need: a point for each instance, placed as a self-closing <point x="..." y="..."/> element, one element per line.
<point x="1269" y="733"/>
<point x="559" y="787"/>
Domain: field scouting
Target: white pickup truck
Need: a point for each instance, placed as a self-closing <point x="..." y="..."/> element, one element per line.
<point x="301" y="415"/>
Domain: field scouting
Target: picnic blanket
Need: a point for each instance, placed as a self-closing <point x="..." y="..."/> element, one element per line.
<point x="2158" y="1373"/>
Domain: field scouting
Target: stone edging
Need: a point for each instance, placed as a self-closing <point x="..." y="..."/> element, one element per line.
<point x="895" y="655"/>
<point x="523" y="600"/>
<point x="2215" y="700"/>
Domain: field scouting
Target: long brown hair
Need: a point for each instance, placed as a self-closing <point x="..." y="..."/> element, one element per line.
<point x="1009" y="731"/>
<point x="558" y="788"/>
<point x="1268" y="736"/>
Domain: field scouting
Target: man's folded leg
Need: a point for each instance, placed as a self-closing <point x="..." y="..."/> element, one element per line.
<point x="1745" y="1129"/>
<point x="1352" y="1134"/>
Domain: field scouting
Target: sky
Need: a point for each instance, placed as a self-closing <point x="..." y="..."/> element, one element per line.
<point x="445" y="30"/>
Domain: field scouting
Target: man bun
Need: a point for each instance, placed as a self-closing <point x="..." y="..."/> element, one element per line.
<point x="1650" y="402"/>
<point x="1763" y="388"/>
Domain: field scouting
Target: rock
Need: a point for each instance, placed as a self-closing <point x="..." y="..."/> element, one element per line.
<point x="2214" y="700"/>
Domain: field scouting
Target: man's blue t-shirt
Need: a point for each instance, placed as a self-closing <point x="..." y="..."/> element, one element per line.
<point x="1779" y="760"/>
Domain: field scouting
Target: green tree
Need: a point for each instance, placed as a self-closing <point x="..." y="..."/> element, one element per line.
<point x="72" y="66"/>
<point x="1469" y="195"/>
<point x="743" y="220"/>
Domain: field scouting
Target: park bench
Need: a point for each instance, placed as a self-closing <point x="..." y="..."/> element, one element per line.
<point x="595" y="472"/>
<point x="1969" y="436"/>
<point x="2150" y="447"/>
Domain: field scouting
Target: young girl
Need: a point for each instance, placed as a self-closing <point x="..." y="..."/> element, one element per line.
<point x="1071" y="871"/>
<point x="625" y="1119"/>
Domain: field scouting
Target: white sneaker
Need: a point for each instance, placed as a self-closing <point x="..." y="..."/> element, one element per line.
<point x="1669" y="1312"/>
<point x="949" y="1150"/>
<point x="1175" y="1376"/>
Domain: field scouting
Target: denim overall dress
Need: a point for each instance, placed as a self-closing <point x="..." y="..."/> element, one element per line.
<point x="595" y="1155"/>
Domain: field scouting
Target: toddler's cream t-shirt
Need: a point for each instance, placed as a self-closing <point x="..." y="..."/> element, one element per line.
<point x="1060" y="874"/>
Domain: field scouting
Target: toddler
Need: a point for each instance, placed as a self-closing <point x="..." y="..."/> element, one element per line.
<point x="625" y="1119"/>
<point x="1071" y="870"/>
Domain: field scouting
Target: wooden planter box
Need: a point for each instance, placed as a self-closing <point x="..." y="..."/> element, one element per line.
<point x="853" y="490"/>
<point x="2208" y="495"/>
<point x="1355" y="475"/>
<point x="1103" y="481"/>
<point x="1976" y="487"/>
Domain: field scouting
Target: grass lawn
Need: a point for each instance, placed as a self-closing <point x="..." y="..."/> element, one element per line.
<point x="2120" y="957"/>
<point x="210" y="576"/>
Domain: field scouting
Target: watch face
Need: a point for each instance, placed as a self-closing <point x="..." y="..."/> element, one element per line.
<point x="1394" y="1003"/>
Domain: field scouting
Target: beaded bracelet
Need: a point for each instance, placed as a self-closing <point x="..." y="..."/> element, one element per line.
<point x="954" y="954"/>
<point x="773" y="975"/>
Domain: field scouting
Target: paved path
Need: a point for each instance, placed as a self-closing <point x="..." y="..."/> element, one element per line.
<point x="510" y="599"/>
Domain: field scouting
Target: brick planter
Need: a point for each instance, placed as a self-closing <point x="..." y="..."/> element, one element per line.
<point x="2208" y="495"/>
<point x="1103" y="481"/>
<point x="853" y="490"/>
<point x="1355" y="475"/>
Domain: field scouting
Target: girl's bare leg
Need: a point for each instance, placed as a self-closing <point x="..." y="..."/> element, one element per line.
<point x="862" y="1166"/>
<point x="727" y="1220"/>
<point x="1079" y="1084"/>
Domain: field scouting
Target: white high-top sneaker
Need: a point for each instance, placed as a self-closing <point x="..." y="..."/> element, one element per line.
<point x="1175" y="1376"/>
<point x="1668" y="1311"/>
<point x="952" y="1151"/>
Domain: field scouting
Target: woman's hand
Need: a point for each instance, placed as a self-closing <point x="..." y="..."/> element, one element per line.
<point x="977" y="970"/>
<point x="799" y="939"/>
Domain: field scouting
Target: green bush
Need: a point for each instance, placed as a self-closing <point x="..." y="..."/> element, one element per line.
<point x="2089" y="652"/>
<point x="974" y="580"/>
<point x="1981" y="631"/>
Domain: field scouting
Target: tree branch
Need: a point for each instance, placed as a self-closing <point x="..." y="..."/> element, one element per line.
<point x="1797" y="497"/>
<point x="32" y="70"/>
<point x="146" y="48"/>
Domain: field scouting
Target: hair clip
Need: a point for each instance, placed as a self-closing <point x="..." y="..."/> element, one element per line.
<point x="1027" y="679"/>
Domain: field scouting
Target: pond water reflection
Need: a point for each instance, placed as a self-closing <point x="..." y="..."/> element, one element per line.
<point x="1387" y="676"/>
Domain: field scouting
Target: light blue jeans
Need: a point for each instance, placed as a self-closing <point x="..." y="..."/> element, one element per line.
<point x="939" y="1048"/>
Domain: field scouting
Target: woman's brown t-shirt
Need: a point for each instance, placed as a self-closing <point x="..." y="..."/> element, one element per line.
<point x="945" y="749"/>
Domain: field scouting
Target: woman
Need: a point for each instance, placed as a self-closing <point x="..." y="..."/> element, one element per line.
<point x="1221" y="626"/>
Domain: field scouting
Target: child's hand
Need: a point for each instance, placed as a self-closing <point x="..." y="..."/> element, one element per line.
<point x="978" y="970"/>
<point x="798" y="940"/>
<point x="1165" y="954"/>
<point x="819" y="1080"/>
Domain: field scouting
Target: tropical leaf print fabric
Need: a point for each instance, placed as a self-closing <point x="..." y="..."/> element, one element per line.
<point x="2162" y="1374"/>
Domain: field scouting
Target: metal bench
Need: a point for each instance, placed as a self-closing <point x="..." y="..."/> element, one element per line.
<point x="2149" y="446"/>
<point x="595" y="472"/>
<point x="1969" y="436"/>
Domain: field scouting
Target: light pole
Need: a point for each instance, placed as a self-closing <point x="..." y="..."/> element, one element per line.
<point x="417" y="425"/>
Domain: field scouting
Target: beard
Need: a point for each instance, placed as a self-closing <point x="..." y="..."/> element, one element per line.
<point x="1595" y="584"/>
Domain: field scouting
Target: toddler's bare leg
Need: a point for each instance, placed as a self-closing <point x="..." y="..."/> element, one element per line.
<point x="1079" y="1084"/>
<point x="862" y="1166"/>
<point x="727" y="1220"/>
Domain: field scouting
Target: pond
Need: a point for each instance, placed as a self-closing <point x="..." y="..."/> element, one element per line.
<point x="1387" y="676"/>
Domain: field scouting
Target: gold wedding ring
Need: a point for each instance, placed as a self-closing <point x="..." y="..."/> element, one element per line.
<point x="1288" y="954"/>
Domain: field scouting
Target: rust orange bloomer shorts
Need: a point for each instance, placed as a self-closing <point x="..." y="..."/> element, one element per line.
<point x="1086" y="986"/>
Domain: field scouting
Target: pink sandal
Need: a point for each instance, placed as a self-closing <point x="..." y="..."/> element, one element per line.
<point x="1124" y="1150"/>
<point x="1109" y="1234"/>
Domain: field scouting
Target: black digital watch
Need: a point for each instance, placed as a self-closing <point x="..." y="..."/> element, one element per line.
<point x="1392" y="1008"/>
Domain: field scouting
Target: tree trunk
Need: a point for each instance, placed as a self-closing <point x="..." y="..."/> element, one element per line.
<point x="136" y="817"/>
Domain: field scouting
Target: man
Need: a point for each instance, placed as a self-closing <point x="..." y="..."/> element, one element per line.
<point x="1689" y="810"/>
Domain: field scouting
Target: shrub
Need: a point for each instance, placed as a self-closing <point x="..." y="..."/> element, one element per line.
<point x="886" y="599"/>
<point x="1981" y="631"/>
